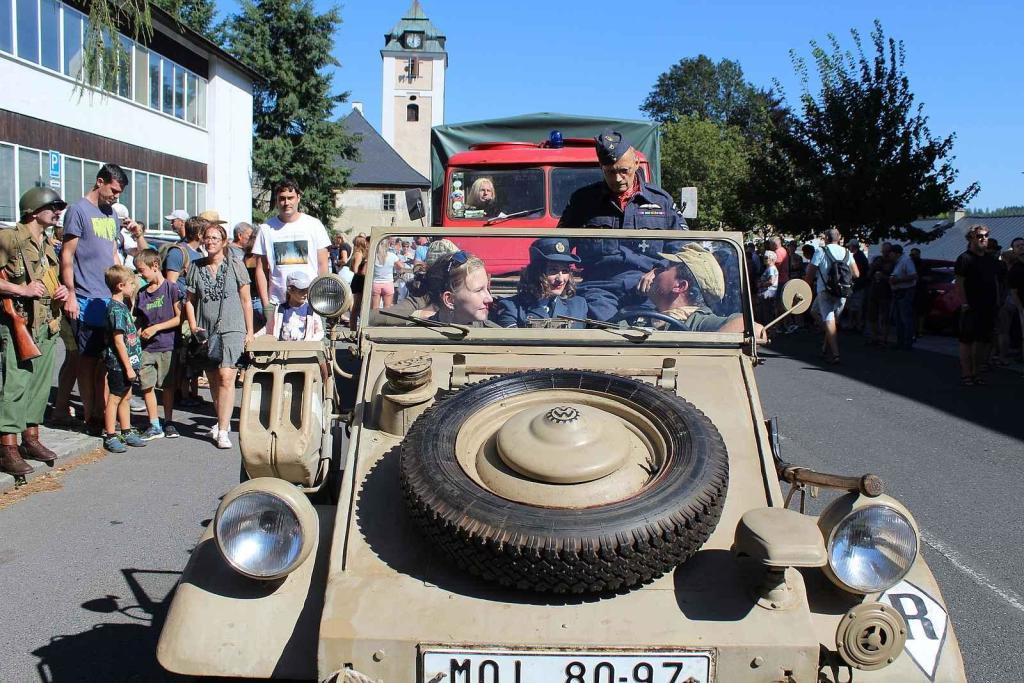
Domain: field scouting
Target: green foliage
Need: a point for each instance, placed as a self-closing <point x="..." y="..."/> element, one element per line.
<point x="712" y="157"/>
<point x="290" y="45"/>
<point x="103" y="58"/>
<point x="861" y="148"/>
<point x="198" y="15"/>
<point x="699" y="88"/>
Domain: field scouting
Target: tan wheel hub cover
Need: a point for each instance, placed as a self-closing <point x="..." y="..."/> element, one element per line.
<point x="563" y="443"/>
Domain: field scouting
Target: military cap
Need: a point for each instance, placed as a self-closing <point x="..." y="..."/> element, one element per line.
<point x="438" y="249"/>
<point x="706" y="271"/>
<point x="552" y="249"/>
<point x="212" y="216"/>
<point x="37" y="198"/>
<point x="611" y="145"/>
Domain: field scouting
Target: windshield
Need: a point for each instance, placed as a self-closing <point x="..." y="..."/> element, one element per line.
<point x="678" y="285"/>
<point x="565" y="181"/>
<point x="491" y="193"/>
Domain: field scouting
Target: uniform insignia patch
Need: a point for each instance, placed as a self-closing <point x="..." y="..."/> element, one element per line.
<point x="559" y="247"/>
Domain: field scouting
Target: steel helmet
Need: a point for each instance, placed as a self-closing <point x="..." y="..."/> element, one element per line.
<point x="37" y="198"/>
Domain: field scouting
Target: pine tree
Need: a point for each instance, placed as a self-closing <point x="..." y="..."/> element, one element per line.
<point x="198" y="15"/>
<point x="295" y="134"/>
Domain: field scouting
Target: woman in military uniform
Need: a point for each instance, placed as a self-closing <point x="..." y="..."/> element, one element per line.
<point x="546" y="288"/>
<point x="29" y="265"/>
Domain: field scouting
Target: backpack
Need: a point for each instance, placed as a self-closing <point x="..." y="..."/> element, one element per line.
<point x="837" y="274"/>
<point x="166" y="249"/>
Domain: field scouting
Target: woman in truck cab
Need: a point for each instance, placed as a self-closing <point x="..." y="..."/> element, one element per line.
<point x="482" y="197"/>
<point x="546" y="288"/>
<point x="460" y="290"/>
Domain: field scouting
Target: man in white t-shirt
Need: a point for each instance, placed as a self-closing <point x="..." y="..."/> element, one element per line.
<point x="290" y="242"/>
<point x="827" y="307"/>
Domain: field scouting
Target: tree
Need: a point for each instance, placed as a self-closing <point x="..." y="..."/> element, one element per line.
<point x="288" y="43"/>
<point x="863" y="149"/>
<point x="198" y="15"/>
<point x="699" y="88"/>
<point x="714" y="158"/>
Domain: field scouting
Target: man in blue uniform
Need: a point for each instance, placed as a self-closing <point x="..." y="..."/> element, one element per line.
<point x="620" y="272"/>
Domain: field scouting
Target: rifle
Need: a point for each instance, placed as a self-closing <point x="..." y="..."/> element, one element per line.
<point x="24" y="346"/>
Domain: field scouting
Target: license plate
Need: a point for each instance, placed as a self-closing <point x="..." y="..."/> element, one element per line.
<point x="551" y="666"/>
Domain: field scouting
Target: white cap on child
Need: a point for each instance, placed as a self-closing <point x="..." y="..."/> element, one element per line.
<point x="298" y="280"/>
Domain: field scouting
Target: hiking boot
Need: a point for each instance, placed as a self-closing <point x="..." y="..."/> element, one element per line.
<point x="114" y="444"/>
<point x="11" y="461"/>
<point x="132" y="438"/>
<point x="31" y="447"/>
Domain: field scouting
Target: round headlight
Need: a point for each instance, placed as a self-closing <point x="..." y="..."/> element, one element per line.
<point x="262" y="533"/>
<point x="329" y="296"/>
<point x="872" y="548"/>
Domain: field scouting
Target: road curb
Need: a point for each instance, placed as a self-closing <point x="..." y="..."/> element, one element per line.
<point x="69" y="446"/>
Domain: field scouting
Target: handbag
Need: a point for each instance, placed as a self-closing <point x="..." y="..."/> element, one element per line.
<point x="207" y="352"/>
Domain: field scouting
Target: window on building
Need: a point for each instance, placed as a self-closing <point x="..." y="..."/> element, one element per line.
<point x="90" y="169"/>
<point x="201" y="197"/>
<point x="49" y="25"/>
<point x="190" y="98"/>
<point x="154" y="80"/>
<point x="167" y="89"/>
<point x="179" y="194"/>
<point x="387" y="201"/>
<point x="72" y="43"/>
<point x="141" y="75"/>
<point x="72" y="179"/>
<point x="200" y="103"/>
<point x="28" y="30"/>
<point x="8" y="209"/>
<point x="179" y="92"/>
<point x="6" y="26"/>
<point x="140" y="190"/>
<point x="124" y="68"/>
<point x="412" y="112"/>
<point x="30" y="172"/>
<point x="190" y="198"/>
<point x="128" y="192"/>
<point x="154" y="216"/>
<point x="167" y="196"/>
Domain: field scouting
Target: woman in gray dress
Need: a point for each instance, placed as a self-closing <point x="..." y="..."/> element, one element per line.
<point x="219" y="303"/>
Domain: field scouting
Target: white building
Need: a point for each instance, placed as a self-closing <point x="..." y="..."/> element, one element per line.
<point x="177" y="116"/>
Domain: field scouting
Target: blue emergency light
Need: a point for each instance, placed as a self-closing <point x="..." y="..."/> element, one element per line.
<point x="555" y="139"/>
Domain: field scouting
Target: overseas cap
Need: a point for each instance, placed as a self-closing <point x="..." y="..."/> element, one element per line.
<point x="552" y="249"/>
<point x="212" y="216"/>
<point x="298" y="280"/>
<point x="705" y="269"/>
<point x="177" y="215"/>
<point x="611" y="145"/>
<point x="37" y="198"/>
<point x="438" y="249"/>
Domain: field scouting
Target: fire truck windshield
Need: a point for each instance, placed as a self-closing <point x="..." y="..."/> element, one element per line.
<point x="565" y="181"/>
<point x="485" y="194"/>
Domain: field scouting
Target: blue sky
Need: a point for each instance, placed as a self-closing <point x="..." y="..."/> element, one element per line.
<point x="965" y="60"/>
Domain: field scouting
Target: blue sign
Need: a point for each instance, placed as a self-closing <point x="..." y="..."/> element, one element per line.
<point x="54" y="164"/>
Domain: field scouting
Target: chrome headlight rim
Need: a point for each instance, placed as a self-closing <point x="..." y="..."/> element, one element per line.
<point x="834" y="519"/>
<point x="341" y="302"/>
<point x="292" y="500"/>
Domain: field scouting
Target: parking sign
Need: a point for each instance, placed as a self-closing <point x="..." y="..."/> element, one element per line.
<point x="54" y="164"/>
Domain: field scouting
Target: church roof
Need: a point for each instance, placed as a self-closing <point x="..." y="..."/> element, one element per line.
<point x="414" y="20"/>
<point x="378" y="162"/>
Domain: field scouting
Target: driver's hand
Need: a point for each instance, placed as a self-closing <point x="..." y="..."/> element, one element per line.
<point x="760" y="333"/>
<point x="646" y="280"/>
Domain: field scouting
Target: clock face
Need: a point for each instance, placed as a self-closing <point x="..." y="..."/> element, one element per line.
<point x="413" y="40"/>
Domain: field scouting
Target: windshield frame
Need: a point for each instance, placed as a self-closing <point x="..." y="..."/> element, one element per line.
<point x="560" y="337"/>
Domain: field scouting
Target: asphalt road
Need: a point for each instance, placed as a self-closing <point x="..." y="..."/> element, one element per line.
<point x="85" y="571"/>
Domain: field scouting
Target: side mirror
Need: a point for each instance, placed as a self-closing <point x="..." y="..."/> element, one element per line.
<point x="414" y="203"/>
<point x="796" y="299"/>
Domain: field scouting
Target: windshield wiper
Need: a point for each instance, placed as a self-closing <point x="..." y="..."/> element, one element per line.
<point x="517" y="214"/>
<point x="640" y="333"/>
<point x="460" y="331"/>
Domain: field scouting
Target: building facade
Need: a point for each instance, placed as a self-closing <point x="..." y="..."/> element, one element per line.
<point x="176" y="114"/>
<point x="378" y="182"/>
<point x="413" y="82"/>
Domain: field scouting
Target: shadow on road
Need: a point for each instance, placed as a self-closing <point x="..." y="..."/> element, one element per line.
<point x="924" y="376"/>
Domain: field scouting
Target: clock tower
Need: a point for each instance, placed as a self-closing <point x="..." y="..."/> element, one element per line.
<point x="413" y="99"/>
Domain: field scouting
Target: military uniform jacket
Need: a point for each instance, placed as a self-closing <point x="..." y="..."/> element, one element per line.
<point x="516" y="311"/>
<point x="19" y="252"/>
<point x="594" y="206"/>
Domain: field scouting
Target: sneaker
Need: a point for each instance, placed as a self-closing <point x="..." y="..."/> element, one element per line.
<point x="214" y="431"/>
<point x="114" y="444"/>
<point x="171" y="432"/>
<point x="153" y="432"/>
<point x="132" y="438"/>
<point x="222" y="440"/>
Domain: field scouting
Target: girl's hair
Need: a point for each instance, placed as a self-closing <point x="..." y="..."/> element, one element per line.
<point x="381" y="253"/>
<point x="473" y="198"/>
<point x="533" y="282"/>
<point x="360" y="245"/>
<point x="446" y="276"/>
<point x="116" y="275"/>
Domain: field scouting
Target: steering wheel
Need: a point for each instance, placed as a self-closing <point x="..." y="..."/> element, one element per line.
<point x="649" y="315"/>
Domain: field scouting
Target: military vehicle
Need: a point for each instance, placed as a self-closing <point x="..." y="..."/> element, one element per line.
<point x="598" y="502"/>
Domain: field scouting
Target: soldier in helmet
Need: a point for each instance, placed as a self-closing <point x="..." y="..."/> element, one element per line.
<point x="30" y="263"/>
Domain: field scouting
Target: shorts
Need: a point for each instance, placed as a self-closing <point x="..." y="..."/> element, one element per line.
<point x="156" y="370"/>
<point x="90" y="332"/>
<point x="827" y="307"/>
<point x="384" y="289"/>
<point x="118" y="382"/>
<point x="977" y="325"/>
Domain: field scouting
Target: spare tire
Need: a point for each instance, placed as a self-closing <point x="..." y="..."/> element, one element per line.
<point x="603" y="544"/>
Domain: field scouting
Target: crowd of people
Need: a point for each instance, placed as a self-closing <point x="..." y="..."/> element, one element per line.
<point x="161" y="318"/>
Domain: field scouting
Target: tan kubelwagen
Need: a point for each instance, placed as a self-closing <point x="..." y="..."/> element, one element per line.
<point x="566" y="501"/>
